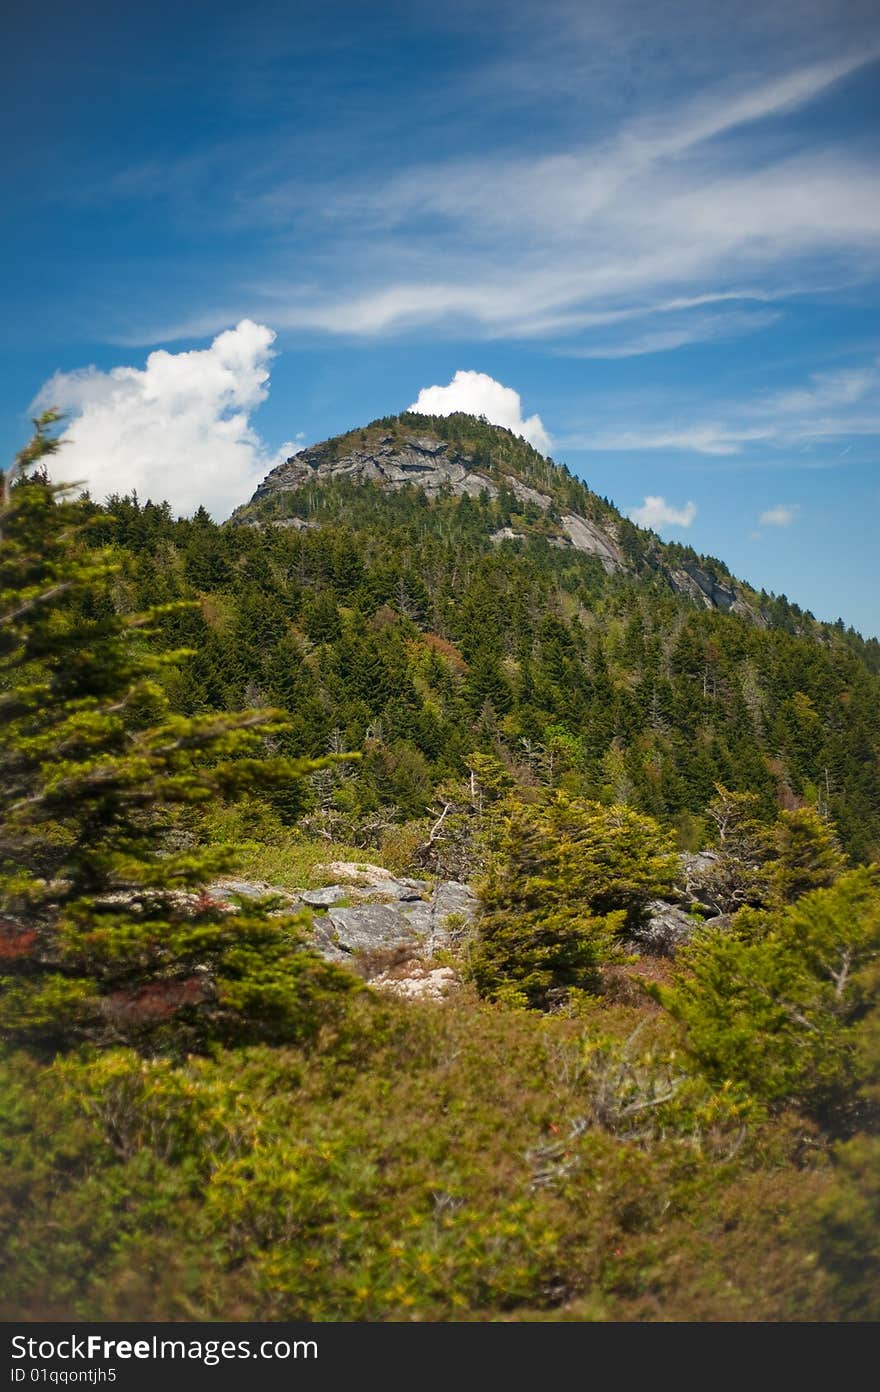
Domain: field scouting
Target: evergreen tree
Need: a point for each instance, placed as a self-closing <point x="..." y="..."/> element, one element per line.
<point x="566" y="878"/>
<point x="734" y="876"/>
<point x="106" y="933"/>
<point x="806" y="855"/>
<point x="773" y="1001"/>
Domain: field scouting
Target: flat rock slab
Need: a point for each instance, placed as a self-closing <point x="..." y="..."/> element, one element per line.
<point x="417" y="982"/>
<point x="367" y="928"/>
<point x="356" y="871"/>
<point x="402" y="891"/>
<point x="420" y="926"/>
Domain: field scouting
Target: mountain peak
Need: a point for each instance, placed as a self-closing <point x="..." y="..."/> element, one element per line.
<point x="466" y="457"/>
<point x="391" y="461"/>
<point x="459" y="456"/>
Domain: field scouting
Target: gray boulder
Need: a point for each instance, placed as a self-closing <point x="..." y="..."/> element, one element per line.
<point x="366" y="928"/>
<point x="413" y="923"/>
<point x="666" y="928"/>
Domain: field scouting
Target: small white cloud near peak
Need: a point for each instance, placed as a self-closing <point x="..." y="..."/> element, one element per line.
<point x="177" y="429"/>
<point x="655" y="513"/>
<point x="477" y="394"/>
<point x="782" y="515"/>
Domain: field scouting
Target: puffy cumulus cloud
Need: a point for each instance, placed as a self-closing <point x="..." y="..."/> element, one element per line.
<point x="480" y="395"/>
<point x="782" y="515"/>
<point x="655" y="513"/>
<point x="178" y="429"/>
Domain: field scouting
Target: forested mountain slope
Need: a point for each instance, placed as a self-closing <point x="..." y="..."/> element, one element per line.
<point x="217" y="1102"/>
<point x="428" y="587"/>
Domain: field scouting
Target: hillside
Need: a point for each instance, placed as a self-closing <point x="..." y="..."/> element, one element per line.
<point x="462" y="457"/>
<point x="424" y="588"/>
<point x="559" y="1004"/>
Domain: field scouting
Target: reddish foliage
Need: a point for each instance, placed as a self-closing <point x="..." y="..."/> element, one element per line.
<point x="15" y="941"/>
<point x="159" y="1000"/>
<point x="446" y="650"/>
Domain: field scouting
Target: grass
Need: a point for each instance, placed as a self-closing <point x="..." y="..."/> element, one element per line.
<point x="275" y="854"/>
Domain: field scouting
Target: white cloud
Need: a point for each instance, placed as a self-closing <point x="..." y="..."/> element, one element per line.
<point x="702" y="439"/>
<point x="178" y="429"/>
<point x="480" y="395"/>
<point x="655" y="513"/>
<point x="697" y="329"/>
<point x="782" y="515"/>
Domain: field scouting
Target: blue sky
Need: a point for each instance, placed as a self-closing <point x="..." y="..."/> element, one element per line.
<point x="657" y="223"/>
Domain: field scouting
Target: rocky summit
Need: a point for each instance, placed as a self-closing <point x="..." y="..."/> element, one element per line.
<point x="445" y="457"/>
<point x="437" y="467"/>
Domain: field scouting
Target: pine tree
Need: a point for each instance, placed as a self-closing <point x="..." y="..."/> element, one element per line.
<point x="106" y="933"/>
<point x="773" y="1001"/>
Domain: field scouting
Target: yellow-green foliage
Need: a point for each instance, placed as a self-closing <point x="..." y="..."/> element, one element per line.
<point x="268" y="851"/>
<point x="421" y="1162"/>
<point x="566" y="877"/>
<point x="772" y="1002"/>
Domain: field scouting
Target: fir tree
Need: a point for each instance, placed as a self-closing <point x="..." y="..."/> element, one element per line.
<point x="106" y="933"/>
<point x="806" y="855"/>
<point x="566" y="877"/>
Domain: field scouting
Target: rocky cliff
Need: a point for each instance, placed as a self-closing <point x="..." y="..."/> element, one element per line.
<point x="462" y="457"/>
<point x="436" y="467"/>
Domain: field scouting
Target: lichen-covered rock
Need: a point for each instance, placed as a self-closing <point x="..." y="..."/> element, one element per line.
<point x="432" y="465"/>
<point x="366" y="928"/>
<point x="357" y="871"/>
<point x="665" y="929"/>
<point x="417" y="982"/>
<point x="420" y="924"/>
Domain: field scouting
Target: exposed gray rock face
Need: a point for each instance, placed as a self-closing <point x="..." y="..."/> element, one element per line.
<point x="692" y="580"/>
<point x="367" y="928"/>
<point x="528" y="495"/>
<point x="698" y="872"/>
<point x="666" y="928"/>
<point x="432" y="465"/>
<point x="404" y="891"/>
<point x="324" y="898"/>
<point x="585" y="535"/>
<point x="421" y="926"/>
<point x="454" y="897"/>
<point x="429" y="464"/>
<point x="437" y="466"/>
<point x="299" y="524"/>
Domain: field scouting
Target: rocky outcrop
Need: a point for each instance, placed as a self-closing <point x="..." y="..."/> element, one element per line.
<point x="417" y="982"/>
<point x="430" y="464"/>
<point x="369" y="914"/>
<point x="666" y="928"/>
<point x="419" y="924"/>
<point x="588" y="536"/>
<point x="394" y="461"/>
<point x="435" y="466"/>
<point x="696" y="582"/>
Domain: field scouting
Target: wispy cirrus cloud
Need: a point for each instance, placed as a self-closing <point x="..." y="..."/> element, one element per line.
<point x="696" y="329"/>
<point x="830" y="407"/>
<point x="686" y="203"/>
